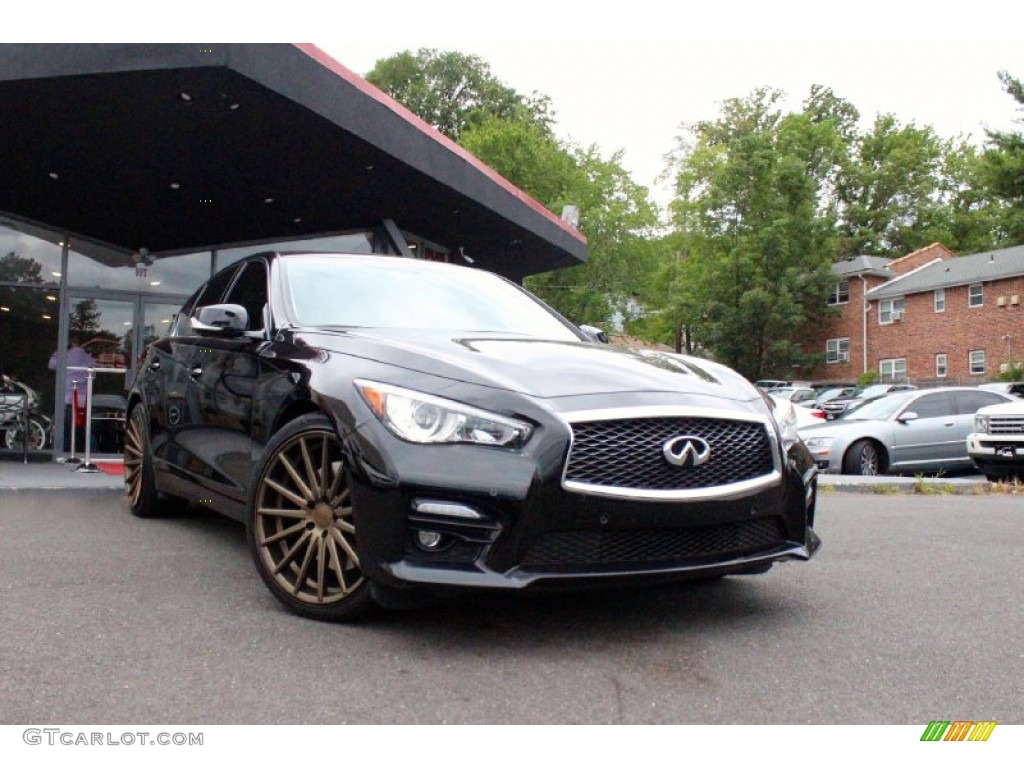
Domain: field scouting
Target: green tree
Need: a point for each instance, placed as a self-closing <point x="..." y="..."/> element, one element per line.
<point x="888" y="189"/>
<point x="452" y="90"/>
<point x="755" y="235"/>
<point x="514" y="135"/>
<point x="1003" y="168"/>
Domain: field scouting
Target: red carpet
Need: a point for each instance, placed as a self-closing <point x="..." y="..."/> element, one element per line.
<point x="111" y="467"/>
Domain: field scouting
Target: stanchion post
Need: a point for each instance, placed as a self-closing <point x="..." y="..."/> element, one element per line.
<point x="87" y="465"/>
<point x="71" y="458"/>
<point x="25" y="426"/>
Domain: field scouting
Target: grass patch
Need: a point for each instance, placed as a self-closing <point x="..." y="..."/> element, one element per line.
<point x="885" y="490"/>
<point x="1013" y="486"/>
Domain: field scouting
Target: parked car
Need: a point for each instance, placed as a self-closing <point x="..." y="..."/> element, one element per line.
<point x="770" y="385"/>
<point x="833" y="393"/>
<point x="838" y="406"/>
<point x="923" y="430"/>
<point x="803" y="395"/>
<point x="1015" y="388"/>
<point x="384" y="425"/>
<point x="108" y="422"/>
<point x="803" y="416"/>
<point x="996" y="445"/>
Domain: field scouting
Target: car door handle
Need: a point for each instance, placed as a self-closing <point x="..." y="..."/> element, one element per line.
<point x="949" y="424"/>
<point x="196" y="372"/>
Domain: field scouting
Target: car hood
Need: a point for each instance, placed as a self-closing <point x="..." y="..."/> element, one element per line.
<point x="541" y="368"/>
<point x="1004" y="409"/>
<point x="840" y="427"/>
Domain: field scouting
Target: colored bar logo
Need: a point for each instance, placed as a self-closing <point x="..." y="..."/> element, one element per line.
<point x="958" y="730"/>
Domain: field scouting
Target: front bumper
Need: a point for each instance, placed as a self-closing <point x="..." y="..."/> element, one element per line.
<point x="516" y="526"/>
<point x="997" y="455"/>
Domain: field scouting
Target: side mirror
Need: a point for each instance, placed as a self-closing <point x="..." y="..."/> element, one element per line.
<point x="594" y="334"/>
<point x="908" y="416"/>
<point x="220" y="320"/>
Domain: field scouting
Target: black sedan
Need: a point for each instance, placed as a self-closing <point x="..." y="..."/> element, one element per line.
<point x="385" y="426"/>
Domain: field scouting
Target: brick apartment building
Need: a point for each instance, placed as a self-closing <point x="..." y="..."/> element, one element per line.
<point x="929" y="317"/>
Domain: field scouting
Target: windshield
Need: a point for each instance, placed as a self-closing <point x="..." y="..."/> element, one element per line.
<point x="882" y="408"/>
<point x="383" y="292"/>
<point x="829" y="394"/>
<point x="874" y="390"/>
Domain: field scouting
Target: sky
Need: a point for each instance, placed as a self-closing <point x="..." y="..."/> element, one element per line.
<point x="626" y="76"/>
<point x="635" y="97"/>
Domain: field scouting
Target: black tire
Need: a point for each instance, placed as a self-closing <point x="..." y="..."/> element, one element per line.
<point x="301" y="527"/>
<point x="139" y="485"/>
<point x="864" y="457"/>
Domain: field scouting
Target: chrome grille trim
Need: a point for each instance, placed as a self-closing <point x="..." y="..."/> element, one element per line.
<point x="1005" y="425"/>
<point x="729" y="490"/>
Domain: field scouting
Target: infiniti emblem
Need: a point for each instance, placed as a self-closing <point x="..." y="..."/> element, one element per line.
<point x="686" y="451"/>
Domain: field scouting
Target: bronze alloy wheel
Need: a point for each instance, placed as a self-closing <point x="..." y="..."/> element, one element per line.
<point x="134" y="452"/>
<point x="303" y="533"/>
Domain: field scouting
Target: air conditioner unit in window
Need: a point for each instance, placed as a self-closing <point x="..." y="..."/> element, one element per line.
<point x="897" y="315"/>
<point x="844" y="357"/>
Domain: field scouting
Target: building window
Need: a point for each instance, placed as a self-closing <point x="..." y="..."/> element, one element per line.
<point x="837" y="351"/>
<point x="940" y="366"/>
<point x="840" y="293"/>
<point x="894" y="369"/>
<point x="940" y="299"/>
<point x="976" y="360"/>
<point x="975" y="295"/>
<point x="890" y="310"/>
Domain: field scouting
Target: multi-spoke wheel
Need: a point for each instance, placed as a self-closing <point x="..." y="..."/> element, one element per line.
<point x="301" y="527"/>
<point x="139" y="485"/>
<point x="864" y="458"/>
<point x="15" y="438"/>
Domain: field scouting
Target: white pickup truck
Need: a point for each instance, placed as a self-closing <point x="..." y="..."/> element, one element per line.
<point x="997" y="443"/>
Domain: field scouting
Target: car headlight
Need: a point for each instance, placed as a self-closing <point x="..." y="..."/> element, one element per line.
<point x="422" y="418"/>
<point x="980" y="423"/>
<point x="819" y="443"/>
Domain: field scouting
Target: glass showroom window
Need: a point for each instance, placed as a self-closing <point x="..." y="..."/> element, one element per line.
<point x="837" y="351"/>
<point x="894" y="369"/>
<point x="941" y="368"/>
<point x="890" y="310"/>
<point x="840" y="293"/>
<point x="940" y="299"/>
<point x="976" y="359"/>
<point x="975" y="295"/>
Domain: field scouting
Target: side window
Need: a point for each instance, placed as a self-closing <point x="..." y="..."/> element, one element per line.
<point x="933" y="406"/>
<point x="250" y="290"/>
<point x="214" y="289"/>
<point x="207" y="294"/>
<point x="970" y="402"/>
<point x="183" y="320"/>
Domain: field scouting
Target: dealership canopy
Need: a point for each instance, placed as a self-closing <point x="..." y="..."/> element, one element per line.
<point x="177" y="148"/>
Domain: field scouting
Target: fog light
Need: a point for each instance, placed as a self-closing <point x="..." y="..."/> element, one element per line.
<point x="431" y="541"/>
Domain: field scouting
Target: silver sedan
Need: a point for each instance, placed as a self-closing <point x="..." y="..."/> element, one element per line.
<point x="924" y="430"/>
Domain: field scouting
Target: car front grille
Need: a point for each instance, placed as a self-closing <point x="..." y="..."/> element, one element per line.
<point x="564" y="551"/>
<point x="628" y="453"/>
<point x="1006" y="425"/>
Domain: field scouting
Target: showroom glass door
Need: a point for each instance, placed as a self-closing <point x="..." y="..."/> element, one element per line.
<point x="105" y="328"/>
<point x="115" y="331"/>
